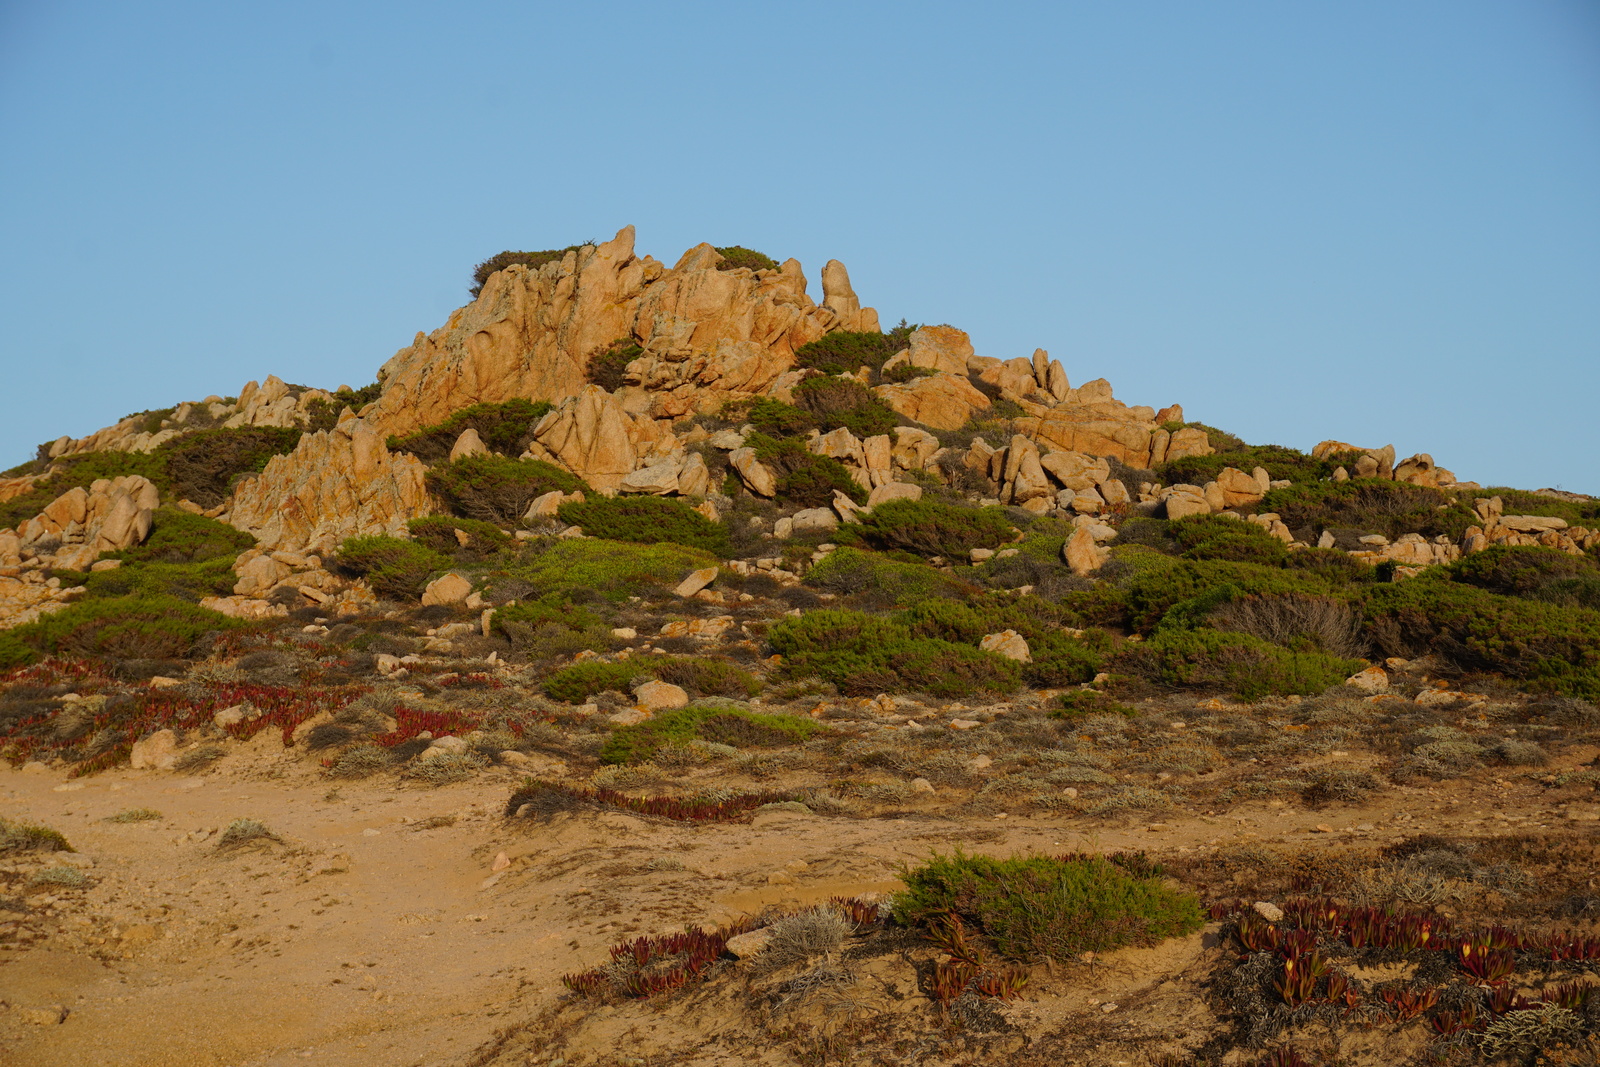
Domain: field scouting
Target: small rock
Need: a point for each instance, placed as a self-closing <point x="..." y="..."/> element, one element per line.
<point x="654" y="696"/>
<point x="1007" y="643"/>
<point x="921" y="785"/>
<point x="750" y="944"/>
<point x="964" y="724"/>
<point x="501" y="862"/>
<point x="156" y="752"/>
<point x="624" y="633"/>
<point x="447" y="589"/>
<point x="627" y="717"/>
<point x="159" y="682"/>
<point x="696" y="582"/>
<point x="1268" y="911"/>
<point x="978" y="555"/>
<point x="1371" y="680"/>
<point x="54" y="1015"/>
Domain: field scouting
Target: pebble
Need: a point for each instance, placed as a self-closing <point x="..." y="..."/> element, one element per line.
<point x="964" y="724"/>
<point x="1268" y="910"/>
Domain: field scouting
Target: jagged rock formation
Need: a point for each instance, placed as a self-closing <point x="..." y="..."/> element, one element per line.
<point x="336" y="484"/>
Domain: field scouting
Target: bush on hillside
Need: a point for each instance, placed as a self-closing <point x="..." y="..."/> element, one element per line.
<point x="1545" y="646"/>
<point x="864" y="654"/>
<point x="647" y="520"/>
<point x="777" y="419"/>
<point x="324" y="414"/>
<point x="82" y="470"/>
<point x="203" y="465"/>
<point x="464" y="540"/>
<point x="1280" y="463"/>
<point x="1057" y="658"/>
<point x="608" y="367"/>
<point x="184" y="581"/>
<point x="724" y="725"/>
<point x="14" y="652"/>
<point x="803" y="478"/>
<point x="132" y="627"/>
<point x="505" y="428"/>
<point x="579" y="682"/>
<point x="551" y="626"/>
<point x="929" y="528"/>
<point x="844" y="402"/>
<point x="1248" y="666"/>
<point x="394" y="568"/>
<point x="496" y="488"/>
<point x="736" y="257"/>
<point x="1295" y="621"/>
<point x="1153" y="591"/>
<point x="887" y="582"/>
<point x="1519" y="570"/>
<point x="502" y="260"/>
<point x="1371" y="505"/>
<point x="1522" y="502"/>
<point x="705" y="676"/>
<point x="614" y="570"/>
<point x="846" y="351"/>
<point x="178" y="536"/>
<point x="1219" y="537"/>
<point x="1036" y="908"/>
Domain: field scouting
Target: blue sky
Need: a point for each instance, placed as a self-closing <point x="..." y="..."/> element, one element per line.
<point x="1372" y="221"/>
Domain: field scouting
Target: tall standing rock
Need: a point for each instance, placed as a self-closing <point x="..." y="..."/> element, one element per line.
<point x="589" y="435"/>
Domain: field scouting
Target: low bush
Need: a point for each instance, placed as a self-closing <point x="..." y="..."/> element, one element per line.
<point x="777" y="419"/>
<point x="706" y="676"/>
<point x="608" y="367"/>
<point x="1058" y="658"/>
<point x="1217" y="537"/>
<point x="1035" y="908"/>
<point x="504" y="428"/>
<point x="647" y="520"/>
<point x="844" y="403"/>
<point x="864" y="654"/>
<point x="502" y="260"/>
<point x="1371" y="505"/>
<point x="1158" y="586"/>
<point x="14" y="652"/>
<point x="394" y="568"/>
<point x="1296" y="621"/>
<point x="611" y="569"/>
<point x="579" y="682"/>
<point x="203" y="465"/>
<point x="184" y="581"/>
<point x="1524" y="571"/>
<point x="736" y="257"/>
<point x="82" y="470"/>
<point x="1280" y="463"/>
<point x="929" y="528"/>
<point x="882" y="581"/>
<point x="845" y="351"/>
<point x="129" y="627"/>
<point x="679" y="726"/>
<point x="1546" y="646"/>
<point x="26" y="837"/>
<point x="1522" y="502"/>
<point x="324" y="415"/>
<point x="178" y="536"/>
<point x="803" y="478"/>
<point x="496" y="488"/>
<point x="464" y="540"/>
<point x="1247" y="666"/>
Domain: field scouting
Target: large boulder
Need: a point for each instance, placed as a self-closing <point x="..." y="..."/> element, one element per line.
<point x="942" y="401"/>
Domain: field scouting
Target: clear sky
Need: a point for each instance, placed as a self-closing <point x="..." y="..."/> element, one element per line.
<point x="1376" y="221"/>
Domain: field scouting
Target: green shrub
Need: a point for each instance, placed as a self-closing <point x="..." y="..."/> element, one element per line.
<point x="777" y="419"/>
<point x="1215" y="537"/>
<point x="77" y="471"/>
<point x="1522" y="571"/>
<point x="1372" y="505"/>
<point x="394" y="568"/>
<point x="849" y="571"/>
<point x="707" y="676"/>
<point x="185" y="581"/>
<point x="803" y="478"/>
<point x="1058" y="658"/>
<point x="579" y="682"/>
<point x="1082" y="703"/>
<point x="502" y="260"/>
<point x="324" y="415"/>
<point x="735" y="257"/>
<point x="1546" y="646"/>
<point x="647" y="520"/>
<point x="27" y="837"/>
<point x="551" y="627"/>
<point x="929" y="528"/>
<point x="203" y="465"/>
<point x="1035" y="908"/>
<point x="845" y="351"/>
<point x="679" y="726"/>
<point x="1160" y="586"/>
<point x="844" y="402"/>
<point x="612" y="569"/>
<point x="496" y="488"/>
<point x="465" y="540"/>
<point x="504" y="428"/>
<point x="178" y="536"/>
<point x="14" y="652"/>
<point x="1522" y="502"/>
<point x="1280" y="463"/>
<point x="864" y="654"/>
<point x="130" y="627"/>
<point x="1247" y="666"/>
<point x="608" y="367"/>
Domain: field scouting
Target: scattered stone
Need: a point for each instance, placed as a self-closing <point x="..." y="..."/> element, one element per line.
<point x="696" y="582"/>
<point x="451" y="588"/>
<point x="1268" y="911"/>
<point x="1007" y="643"/>
<point x="1371" y="680"/>
<point x="156" y="752"/>
<point x="964" y="724"/>
<point x="657" y="696"/>
<point x="750" y="944"/>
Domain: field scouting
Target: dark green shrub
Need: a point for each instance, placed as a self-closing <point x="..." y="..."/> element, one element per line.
<point x="803" y="478"/>
<point x="1082" y="703"/>
<point x="894" y="583"/>
<point x="679" y="726"/>
<point x="905" y="372"/>
<point x="1220" y="440"/>
<point x="845" y="351"/>
<point x="607" y="367"/>
<point x="178" y="536"/>
<point x="864" y="654"/>
<point x="394" y="568"/>
<point x="1372" y="505"/>
<point x="1215" y="537"/>
<point x="1331" y="565"/>
<point x="706" y="676"/>
<point x="28" y="837"/>
<point x="929" y="528"/>
<point x="324" y="414"/>
<point x="1280" y="463"/>
<point x="185" y="581"/>
<point x="132" y="627"/>
<point x="1035" y="908"/>
<point x="80" y="470"/>
<point x="1295" y="621"/>
<point x="203" y="465"/>
<point x="777" y="419"/>
<point x="552" y="627"/>
<point x="735" y="257"/>
<point x="611" y="569"/>
<point x="844" y="402"/>
<point x="647" y="520"/>
<point x="502" y="260"/>
<point x="554" y="611"/>
<point x="464" y="540"/>
<point x="1546" y="646"/>
<point x="1520" y="570"/>
<point x="1150" y="593"/>
<point x="14" y="652"/>
<point x="1522" y="502"/>
<point x="1058" y="658"/>
<point x="504" y="428"/>
<point x="579" y="682"/>
<point x="1247" y="666"/>
<point x="496" y="488"/>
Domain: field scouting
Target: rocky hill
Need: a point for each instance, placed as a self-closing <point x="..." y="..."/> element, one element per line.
<point x="679" y="558"/>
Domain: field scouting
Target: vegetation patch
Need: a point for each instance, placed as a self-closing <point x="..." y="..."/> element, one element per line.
<point x="928" y="528"/>
<point x="18" y="837"/>
<point x="706" y="676"/>
<point x="1370" y="505"/>
<point x="497" y="489"/>
<point x="844" y="403"/>
<point x="581" y="568"/>
<point x="1279" y="462"/>
<point x="579" y="682"/>
<point x="128" y="627"/>
<point x="725" y="725"/>
<point x="804" y="478"/>
<point x="203" y="465"/>
<point x="532" y="260"/>
<point x="1247" y="666"/>
<point x="880" y="579"/>
<point x="647" y="520"/>
<point x="394" y="568"/>
<point x="737" y="257"/>
<point x="846" y="351"/>
<point x="608" y="367"/>
<point x="864" y="655"/>
<point x="505" y="428"/>
<point x="464" y="540"/>
<point x="536" y="797"/>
